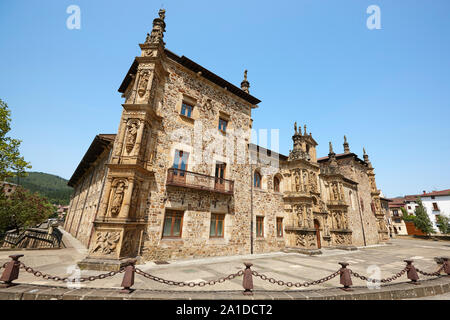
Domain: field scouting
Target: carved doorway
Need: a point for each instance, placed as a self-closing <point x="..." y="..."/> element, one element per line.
<point x="317" y="227"/>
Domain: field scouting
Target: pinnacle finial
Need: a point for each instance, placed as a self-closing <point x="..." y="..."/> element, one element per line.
<point x="159" y="27"/>
<point x="305" y="129"/>
<point x="295" y="126"/>
<point x="346" y="146"/>
<point x="245" y="85"/>
<point x="331" y="147"/>
<point x="364" y="152"/>
<point x="162" y="13"/>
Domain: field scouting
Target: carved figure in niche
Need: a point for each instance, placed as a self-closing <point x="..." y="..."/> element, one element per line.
<point x="118" y="198"/>
<point x="300" y="216"/>
<point x="335" y="191"/>
<point x="337" y="220"/>
<point x="143" y="82"/>
<point x="297" y="181"/>
<point x="132" y="130"/>
<point x="341" y="192"/>
<point x="106" y="242"/>
<point x="305" y="180"/>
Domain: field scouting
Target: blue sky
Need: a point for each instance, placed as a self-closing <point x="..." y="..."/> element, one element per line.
<point x="310" y="61"/>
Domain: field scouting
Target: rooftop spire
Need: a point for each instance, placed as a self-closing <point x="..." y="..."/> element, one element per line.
<point x="346" y="146"/>
<point x="245" y="85"/>
<point x="366" y="158"/>
<point x="159" y="27"/>
<point x="305" y="129"/>
<point x="332" y="156"/>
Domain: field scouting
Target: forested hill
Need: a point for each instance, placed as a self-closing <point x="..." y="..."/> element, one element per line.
<point x="48" y="185"/>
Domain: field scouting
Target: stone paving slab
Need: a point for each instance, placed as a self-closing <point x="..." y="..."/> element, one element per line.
<point x="426" y="288"/>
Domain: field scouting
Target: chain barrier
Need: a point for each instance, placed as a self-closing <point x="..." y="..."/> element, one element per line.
<point x="432" y="274"/>
<point x="189" y="284"/>
<point x="390" y="279"/>
<point x="247" y="273"/>
<point x="296" y="284"/>
<point x="66" y="279"/>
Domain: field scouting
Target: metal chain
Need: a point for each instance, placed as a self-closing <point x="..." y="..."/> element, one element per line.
<point x="432" y="274"/>
<point x="66" y="279"/>
<point x="390" y="279"/>
<point x="189" y="284"/>
<point x="296" y="284"/>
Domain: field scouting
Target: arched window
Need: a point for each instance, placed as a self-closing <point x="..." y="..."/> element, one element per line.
<point x="276" y="184"/>
<point x="257" y="180"/>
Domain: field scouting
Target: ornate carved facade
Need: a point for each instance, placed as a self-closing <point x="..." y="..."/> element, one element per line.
<point x="181" y="178"/>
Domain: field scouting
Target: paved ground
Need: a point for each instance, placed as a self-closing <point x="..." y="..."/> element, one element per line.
<point x="387" y="259"/>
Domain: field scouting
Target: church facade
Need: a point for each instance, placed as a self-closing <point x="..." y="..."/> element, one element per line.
<point x="181" y="178"/>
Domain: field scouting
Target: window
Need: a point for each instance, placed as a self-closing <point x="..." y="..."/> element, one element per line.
<point x="173" y="223"/>
<point x="223" y="125"/>
<point x="260" y="227"/>
<point x="276" y="184"/>
<point x="257" y="180"/>
<point x="186" y="109"/>
<point x="220" y="171"/>
<point x="396" y="213"/>
<point x="409" y="207"/>
<point x="279" y="227"/>
<point x="216" y="228"/>
<point x="435" y="206"/>
<point x="180" y="160"/>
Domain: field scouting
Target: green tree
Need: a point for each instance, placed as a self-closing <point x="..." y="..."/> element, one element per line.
<point x="406" y="216"/>
<point x="11" y="163"/>
<point x="443" y="223"/>
<point x="23" y="209"/>
<point x="421" y="219"/>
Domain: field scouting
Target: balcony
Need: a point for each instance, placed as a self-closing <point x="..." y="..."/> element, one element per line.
<point x="193" y="180"/>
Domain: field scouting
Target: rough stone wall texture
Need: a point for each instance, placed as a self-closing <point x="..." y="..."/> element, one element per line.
<point x="179" y="133"/>
<point x="84" y="202"/>
<point x="358" y="173"/>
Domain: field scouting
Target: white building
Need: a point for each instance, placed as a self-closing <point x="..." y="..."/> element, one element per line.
<point x="437" y="203"/>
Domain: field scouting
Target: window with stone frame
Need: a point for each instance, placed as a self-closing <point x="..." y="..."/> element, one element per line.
<point x="279" y="227"/>
<point x="187" y="109"/>
<point x="223" y="125"/>
<point x="173" y="224"/>
<point x="257" y="180"/>
<point x="259" y="227"/>
<point x="217" y="225"/>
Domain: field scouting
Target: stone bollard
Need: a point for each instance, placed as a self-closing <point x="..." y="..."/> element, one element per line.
<point x="346" y="279"/>
<point x="11" y="271"/>
<point x="446" y="265"/>
<point x="128" y="277"/>
<point x="411" y="272"/>
<point x="247" y="281"/>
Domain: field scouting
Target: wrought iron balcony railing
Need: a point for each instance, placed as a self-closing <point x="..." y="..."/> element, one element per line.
<point x="188" y="179"/>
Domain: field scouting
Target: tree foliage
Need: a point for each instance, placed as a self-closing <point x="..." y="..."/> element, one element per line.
<point x="443" y="223"/>
<point x="54" y="188"/>
<point x="23" y="209"/>
<point x="421" y="219"/>
<point x="11" y="163"/>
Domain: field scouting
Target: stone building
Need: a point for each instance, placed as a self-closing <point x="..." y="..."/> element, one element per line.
<point x="181" y="179"/>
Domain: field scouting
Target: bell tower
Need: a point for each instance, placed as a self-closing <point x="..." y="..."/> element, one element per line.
<point x="120" y="221"/>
